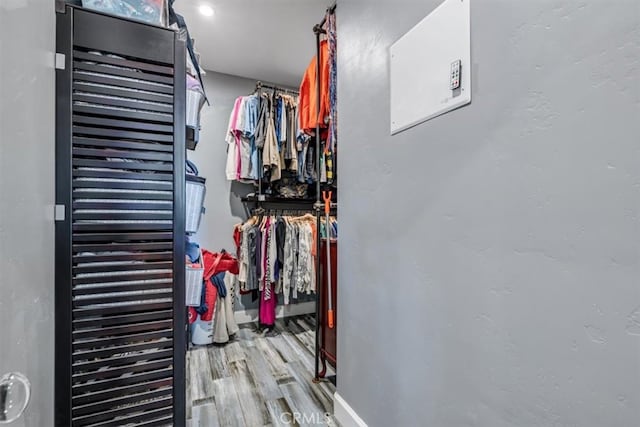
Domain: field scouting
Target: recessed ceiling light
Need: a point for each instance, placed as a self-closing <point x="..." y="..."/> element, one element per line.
<point x="206" y="10"/>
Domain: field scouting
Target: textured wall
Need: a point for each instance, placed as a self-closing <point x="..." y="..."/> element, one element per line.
<point x="491" y="256"/>
<point x="224" y="209"/>
<point x="223" y="206"/>
<point x="27" y="43"/>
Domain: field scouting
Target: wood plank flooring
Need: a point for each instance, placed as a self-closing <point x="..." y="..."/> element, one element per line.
<point x="259" y="380"/>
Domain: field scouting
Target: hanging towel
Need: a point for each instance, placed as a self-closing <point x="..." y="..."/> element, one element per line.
<point x="224" y="322"/>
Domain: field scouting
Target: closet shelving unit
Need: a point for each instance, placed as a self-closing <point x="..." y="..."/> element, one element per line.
<point x="321" y="356"/>
<point x="278" y="203"/>
<point x="263" y="202"/>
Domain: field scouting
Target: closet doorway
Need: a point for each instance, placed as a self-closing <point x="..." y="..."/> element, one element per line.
<point x="262" y="314"/>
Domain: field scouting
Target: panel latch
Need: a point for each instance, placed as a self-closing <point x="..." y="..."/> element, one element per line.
<point x="60" y="61"/>
<point x="59" y="213"/>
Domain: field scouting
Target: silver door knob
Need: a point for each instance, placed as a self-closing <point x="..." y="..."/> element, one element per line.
<point x="15" y="391"/>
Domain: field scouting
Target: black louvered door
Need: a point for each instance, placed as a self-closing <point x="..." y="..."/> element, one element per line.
<point x="120" y="316"/>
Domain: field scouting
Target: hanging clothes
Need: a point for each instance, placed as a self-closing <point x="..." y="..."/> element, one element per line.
<point x="324" y="86"/>
<point x="268" y="302"/>
<point x="252" y="110"/>
<point x="290" y="143"/>
<point x="262" y="130"/>
<point x="242" y="157"/>
<point x="263" y="114"/>
<point x="233" y="148"/>
<point x="308" y="108"/>
<point x="277" y="257"/>
<point x="224" y="323"/>
<point x="332" y="133"/>
<point x="270" y="153"/>
<point x="333" y="80"/>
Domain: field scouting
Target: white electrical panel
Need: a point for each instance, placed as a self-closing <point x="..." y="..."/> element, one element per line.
<point x="430" y="72"/>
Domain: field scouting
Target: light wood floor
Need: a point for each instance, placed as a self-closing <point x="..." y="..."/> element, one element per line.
<point x="258" y="380"/>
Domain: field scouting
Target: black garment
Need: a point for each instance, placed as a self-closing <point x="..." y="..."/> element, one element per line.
<point x="252" y="272"/>
<point x="258" y="256"/>
<point x="281" y="231"/>
<point x="264" y="113"/>
<point x="310" y="165"/>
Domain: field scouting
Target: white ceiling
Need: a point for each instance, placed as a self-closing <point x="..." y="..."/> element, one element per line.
<point x="268" y="40"/>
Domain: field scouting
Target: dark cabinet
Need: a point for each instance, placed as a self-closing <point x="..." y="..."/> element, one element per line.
<point x="120" y="179"/>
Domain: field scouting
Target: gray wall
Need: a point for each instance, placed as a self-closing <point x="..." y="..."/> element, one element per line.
<point x="499" y="287"/>
<point x="224" y="209"/>
<point x="27" y="43"/>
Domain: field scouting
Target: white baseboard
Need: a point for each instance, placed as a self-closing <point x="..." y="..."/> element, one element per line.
<point x="344" y="414"/>
<point x="250" y="316"/>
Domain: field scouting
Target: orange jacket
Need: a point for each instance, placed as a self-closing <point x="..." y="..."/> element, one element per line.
<point x="307" y="104"/>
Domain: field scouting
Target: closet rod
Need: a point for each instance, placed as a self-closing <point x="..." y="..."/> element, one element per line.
<point x="260" y="85"/>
